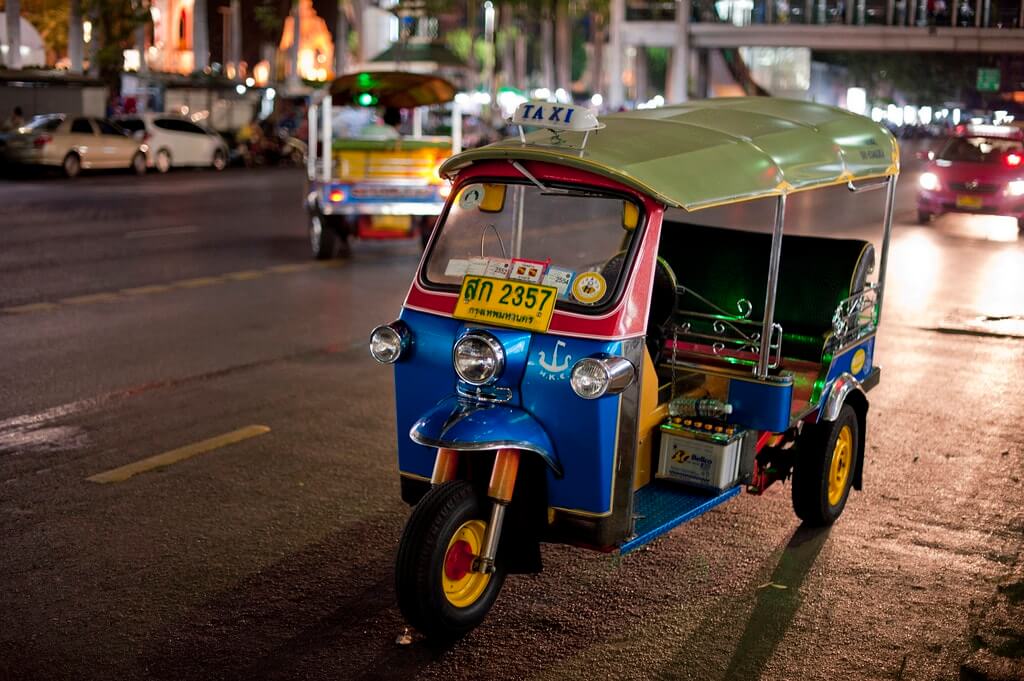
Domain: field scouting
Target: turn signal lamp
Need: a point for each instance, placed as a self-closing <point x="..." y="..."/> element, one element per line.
<point x="594" y="377"/>
<point x="1015" y="188"/>
<point x="390" y="341"/>
<point x="929" y="181"/>
<point x="336" y="196"/>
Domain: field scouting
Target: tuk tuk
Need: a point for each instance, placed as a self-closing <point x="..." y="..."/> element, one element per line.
<point x="574" y="365"/>
<point x="377" y="183"/>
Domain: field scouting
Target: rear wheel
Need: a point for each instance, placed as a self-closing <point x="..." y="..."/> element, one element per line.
<point x="220" y="160"/>
<point x="139" y="163"/>
<point x="72" y="165"/>
<point x="438" y="592"/>
<point x="923" y="217"/>
<point x="322" y="239"/>
<point x="163" y="161"/>
<point x="823" y="474"/>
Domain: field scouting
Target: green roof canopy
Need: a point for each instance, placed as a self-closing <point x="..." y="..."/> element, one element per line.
<point x="397" y="89"/>
<point x="716" y="151"/>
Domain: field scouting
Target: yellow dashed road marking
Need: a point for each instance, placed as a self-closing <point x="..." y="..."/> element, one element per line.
<point x="198" y="282"/>
<point x="145" y="290"/>
<point x="89" y="299"/>
<point x="32" y="307"/>
<point x="123" y="473"/>
<point x="244" y="275"/>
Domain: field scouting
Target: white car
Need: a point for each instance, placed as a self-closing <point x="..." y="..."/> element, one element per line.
<point x="175" y="141"/>
<point x="74" y="143"/>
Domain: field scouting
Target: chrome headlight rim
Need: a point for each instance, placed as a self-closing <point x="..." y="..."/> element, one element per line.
<point x="496" y="348"/>
<point x="618" y="374"/>
<point x="402" y="336"/>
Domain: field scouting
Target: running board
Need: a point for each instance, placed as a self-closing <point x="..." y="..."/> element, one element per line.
<point x="661" y="506"/>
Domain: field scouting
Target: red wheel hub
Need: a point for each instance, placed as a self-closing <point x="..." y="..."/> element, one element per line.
<point x="459" y="560"/>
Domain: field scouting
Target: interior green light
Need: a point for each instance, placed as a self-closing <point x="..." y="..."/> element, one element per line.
<point x="366" y="99"/>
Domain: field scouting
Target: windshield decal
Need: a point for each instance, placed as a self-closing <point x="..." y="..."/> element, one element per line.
<point x="589" y="287"/>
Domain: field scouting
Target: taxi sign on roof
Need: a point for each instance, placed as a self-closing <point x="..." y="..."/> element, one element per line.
<point x="543" y="114"/>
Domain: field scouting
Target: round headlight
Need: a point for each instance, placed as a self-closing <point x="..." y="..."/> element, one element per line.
<point x="929" y="181"/>
<point x="478" y="358"/>
<point x="594" y="377"/>
<point x="387" y="343"/>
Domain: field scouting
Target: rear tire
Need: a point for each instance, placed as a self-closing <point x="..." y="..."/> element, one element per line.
<point x="923" y="217"/>
<point x="220" y="160"/>
<point x="163" y="161"/>
<point x="322" y="239"/>
<point x="826" y="461"/>
<point x="441" y="605"/>
<point x="72" y="165"/>
<point x="139" y="163"/>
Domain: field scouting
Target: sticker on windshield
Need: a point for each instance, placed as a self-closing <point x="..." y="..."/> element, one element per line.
<point x="589" y="287"/>
<point x="559" y="278"/>
<point x="456" y="267"/>
<point x="498" y="268"/>
<point x="527" y="270"/>
<point x="471" y="196"/>
<point x="477" y="265"/>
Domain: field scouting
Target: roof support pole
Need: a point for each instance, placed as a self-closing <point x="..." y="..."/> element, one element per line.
<point x="328" y="156"/>
<point x="616" y="90"/>
<point x="312" y="123"/>
<point x="890" y="206"/>
<point x="764" y="357"/>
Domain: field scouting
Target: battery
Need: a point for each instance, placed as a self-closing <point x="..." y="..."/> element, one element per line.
<point x="691" y="456"/>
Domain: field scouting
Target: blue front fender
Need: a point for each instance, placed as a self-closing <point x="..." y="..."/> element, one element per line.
<point x="468" y="425"/>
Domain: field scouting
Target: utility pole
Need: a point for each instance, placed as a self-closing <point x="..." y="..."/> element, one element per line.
<point x="235" y="55"/>
<point x="341" y="39"/>
<point x="13" y="15"/>
<point x="293" y="52"/>
<point x="200" y="37"/>
<point x="76" y="36"/>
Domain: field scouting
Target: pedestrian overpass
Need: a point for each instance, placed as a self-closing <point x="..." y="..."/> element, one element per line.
<point x="976" y="26"/>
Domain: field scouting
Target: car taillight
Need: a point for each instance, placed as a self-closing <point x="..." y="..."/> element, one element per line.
<point x="1014" y="160"/>
<point x="41" y="141"/>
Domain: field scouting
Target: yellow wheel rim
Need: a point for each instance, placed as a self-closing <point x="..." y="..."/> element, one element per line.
<point x="462" y="587"/>
<point x="839" y="470"/>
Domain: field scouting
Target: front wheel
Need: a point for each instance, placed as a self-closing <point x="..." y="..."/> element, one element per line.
<point x="163" y="161"/>
<point x="72" y="165"/>
<point x="826" y="460"/>
<point x="438" y="591"/>
<point x="220" y="160"/>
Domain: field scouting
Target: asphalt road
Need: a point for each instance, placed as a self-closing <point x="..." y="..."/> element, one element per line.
<point x="140" y="316"/>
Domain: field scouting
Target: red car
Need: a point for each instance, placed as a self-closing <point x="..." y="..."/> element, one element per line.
<point x="978" y="170"/>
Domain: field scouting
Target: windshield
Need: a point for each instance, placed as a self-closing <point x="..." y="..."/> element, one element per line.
<point x="43" y="124"/>
<point x="979" y="149"/>
<point x="576" y="242"/>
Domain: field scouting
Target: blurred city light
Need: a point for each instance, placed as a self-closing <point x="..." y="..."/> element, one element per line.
<point x="240" y="89"/>
<point x="925" y="115"/>
<point x="596" y="99"/>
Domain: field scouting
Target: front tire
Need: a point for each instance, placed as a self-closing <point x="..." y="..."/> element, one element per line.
<point x="437" y="591"/>
<point x="827" y="455"/>
<point x="163" y="161"/>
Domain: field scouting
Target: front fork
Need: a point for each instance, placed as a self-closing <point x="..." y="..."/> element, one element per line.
<point x="500" y="488"/>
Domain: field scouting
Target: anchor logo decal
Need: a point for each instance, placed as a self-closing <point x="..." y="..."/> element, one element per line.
<point x="554" y="367"/>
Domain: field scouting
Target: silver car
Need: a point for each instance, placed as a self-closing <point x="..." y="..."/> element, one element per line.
<point x="75" y="143"/>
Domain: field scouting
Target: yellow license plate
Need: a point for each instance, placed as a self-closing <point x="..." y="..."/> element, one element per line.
<point x="502" y="302"/>
<point x="968" y="201"/>
<point x="397" y="223"/>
